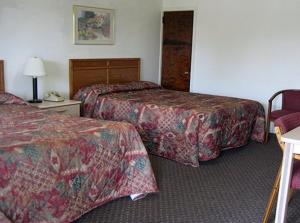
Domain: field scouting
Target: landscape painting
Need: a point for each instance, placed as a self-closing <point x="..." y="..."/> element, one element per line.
<point x="93" y="25"/>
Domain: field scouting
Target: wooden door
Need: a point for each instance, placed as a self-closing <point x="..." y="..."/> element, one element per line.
<point x="177" y="50"/>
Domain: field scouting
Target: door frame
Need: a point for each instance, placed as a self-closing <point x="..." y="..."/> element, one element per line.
<point x="171" y="9"/>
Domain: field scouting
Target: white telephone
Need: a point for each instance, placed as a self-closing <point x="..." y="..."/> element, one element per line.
<point x="53" y="96"/>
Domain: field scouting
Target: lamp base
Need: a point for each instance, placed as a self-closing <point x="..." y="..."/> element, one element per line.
<point x="35" y="101"/>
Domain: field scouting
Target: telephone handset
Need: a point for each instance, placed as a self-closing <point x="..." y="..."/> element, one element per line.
<point x="53" y="96"/>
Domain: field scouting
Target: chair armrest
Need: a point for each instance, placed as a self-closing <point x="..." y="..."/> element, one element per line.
<point x="270" y="106"/>
<point x="280" y="92"/>
<point x="275" y="95"/>
<point x="271" y="100"/>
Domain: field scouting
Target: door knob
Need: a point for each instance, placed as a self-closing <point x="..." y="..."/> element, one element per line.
<point x="186" y="72"/>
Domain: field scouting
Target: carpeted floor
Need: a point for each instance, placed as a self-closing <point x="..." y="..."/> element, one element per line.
<point x="233" y="188"/>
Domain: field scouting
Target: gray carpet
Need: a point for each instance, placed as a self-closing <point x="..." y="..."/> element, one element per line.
<point x="233" y="188"/>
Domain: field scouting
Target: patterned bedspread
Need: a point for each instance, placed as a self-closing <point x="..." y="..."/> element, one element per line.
<point x="181" y="126"/>
<point x="54" y="168"/>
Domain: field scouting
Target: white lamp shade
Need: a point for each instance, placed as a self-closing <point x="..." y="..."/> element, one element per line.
<point x="34" y="67"/>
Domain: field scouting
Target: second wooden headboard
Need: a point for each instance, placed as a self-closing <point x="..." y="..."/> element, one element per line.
<point x="2" y="87"/>
<point x="86" y="72"/>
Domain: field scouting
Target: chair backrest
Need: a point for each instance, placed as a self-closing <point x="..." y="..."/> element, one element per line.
<point x="285" y="124"/>
<point x="291" y="100"/>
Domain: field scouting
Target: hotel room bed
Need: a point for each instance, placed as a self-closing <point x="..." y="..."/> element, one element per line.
<point x="181" y="126"/>
<point x="55" y="168"/>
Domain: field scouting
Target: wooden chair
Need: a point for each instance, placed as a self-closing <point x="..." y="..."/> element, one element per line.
<point x="283" y="125"/>
<point x="290" y="104"/>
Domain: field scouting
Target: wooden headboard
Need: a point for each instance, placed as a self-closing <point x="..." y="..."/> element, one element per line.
<point x="2" y="87"/>
<point x="86" y="72"/>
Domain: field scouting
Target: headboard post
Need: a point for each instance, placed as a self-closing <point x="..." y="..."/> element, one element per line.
<point x="86" y="72"/>
<point x="71" y="91"/>
<point x="2" y="86"/>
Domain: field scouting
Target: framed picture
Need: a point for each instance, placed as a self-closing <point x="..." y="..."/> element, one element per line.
<point x="93" y="25"/>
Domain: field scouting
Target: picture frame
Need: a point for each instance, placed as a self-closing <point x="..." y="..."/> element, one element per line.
<point x="93" y="26"/>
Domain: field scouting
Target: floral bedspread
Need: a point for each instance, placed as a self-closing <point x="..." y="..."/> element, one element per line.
<point x="181" y="126"/>
<point x="55" y="168"/>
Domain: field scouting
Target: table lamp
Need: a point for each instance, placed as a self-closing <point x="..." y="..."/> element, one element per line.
<point x="34" y="67"/>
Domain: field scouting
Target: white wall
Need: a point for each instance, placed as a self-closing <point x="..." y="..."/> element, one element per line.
<point x="43" y="28"/>
<point x="244" y="48"/>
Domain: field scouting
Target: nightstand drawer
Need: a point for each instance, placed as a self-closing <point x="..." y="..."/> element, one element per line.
<point x="70" y="109"/>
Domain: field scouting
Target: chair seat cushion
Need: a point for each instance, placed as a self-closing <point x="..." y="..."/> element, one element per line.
<point x="279" y="113"/>
<point x="295" y="184"/>
<point x="288" y="122"/>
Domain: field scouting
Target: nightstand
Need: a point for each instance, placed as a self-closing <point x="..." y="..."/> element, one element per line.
<point x="69" y="107"/>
